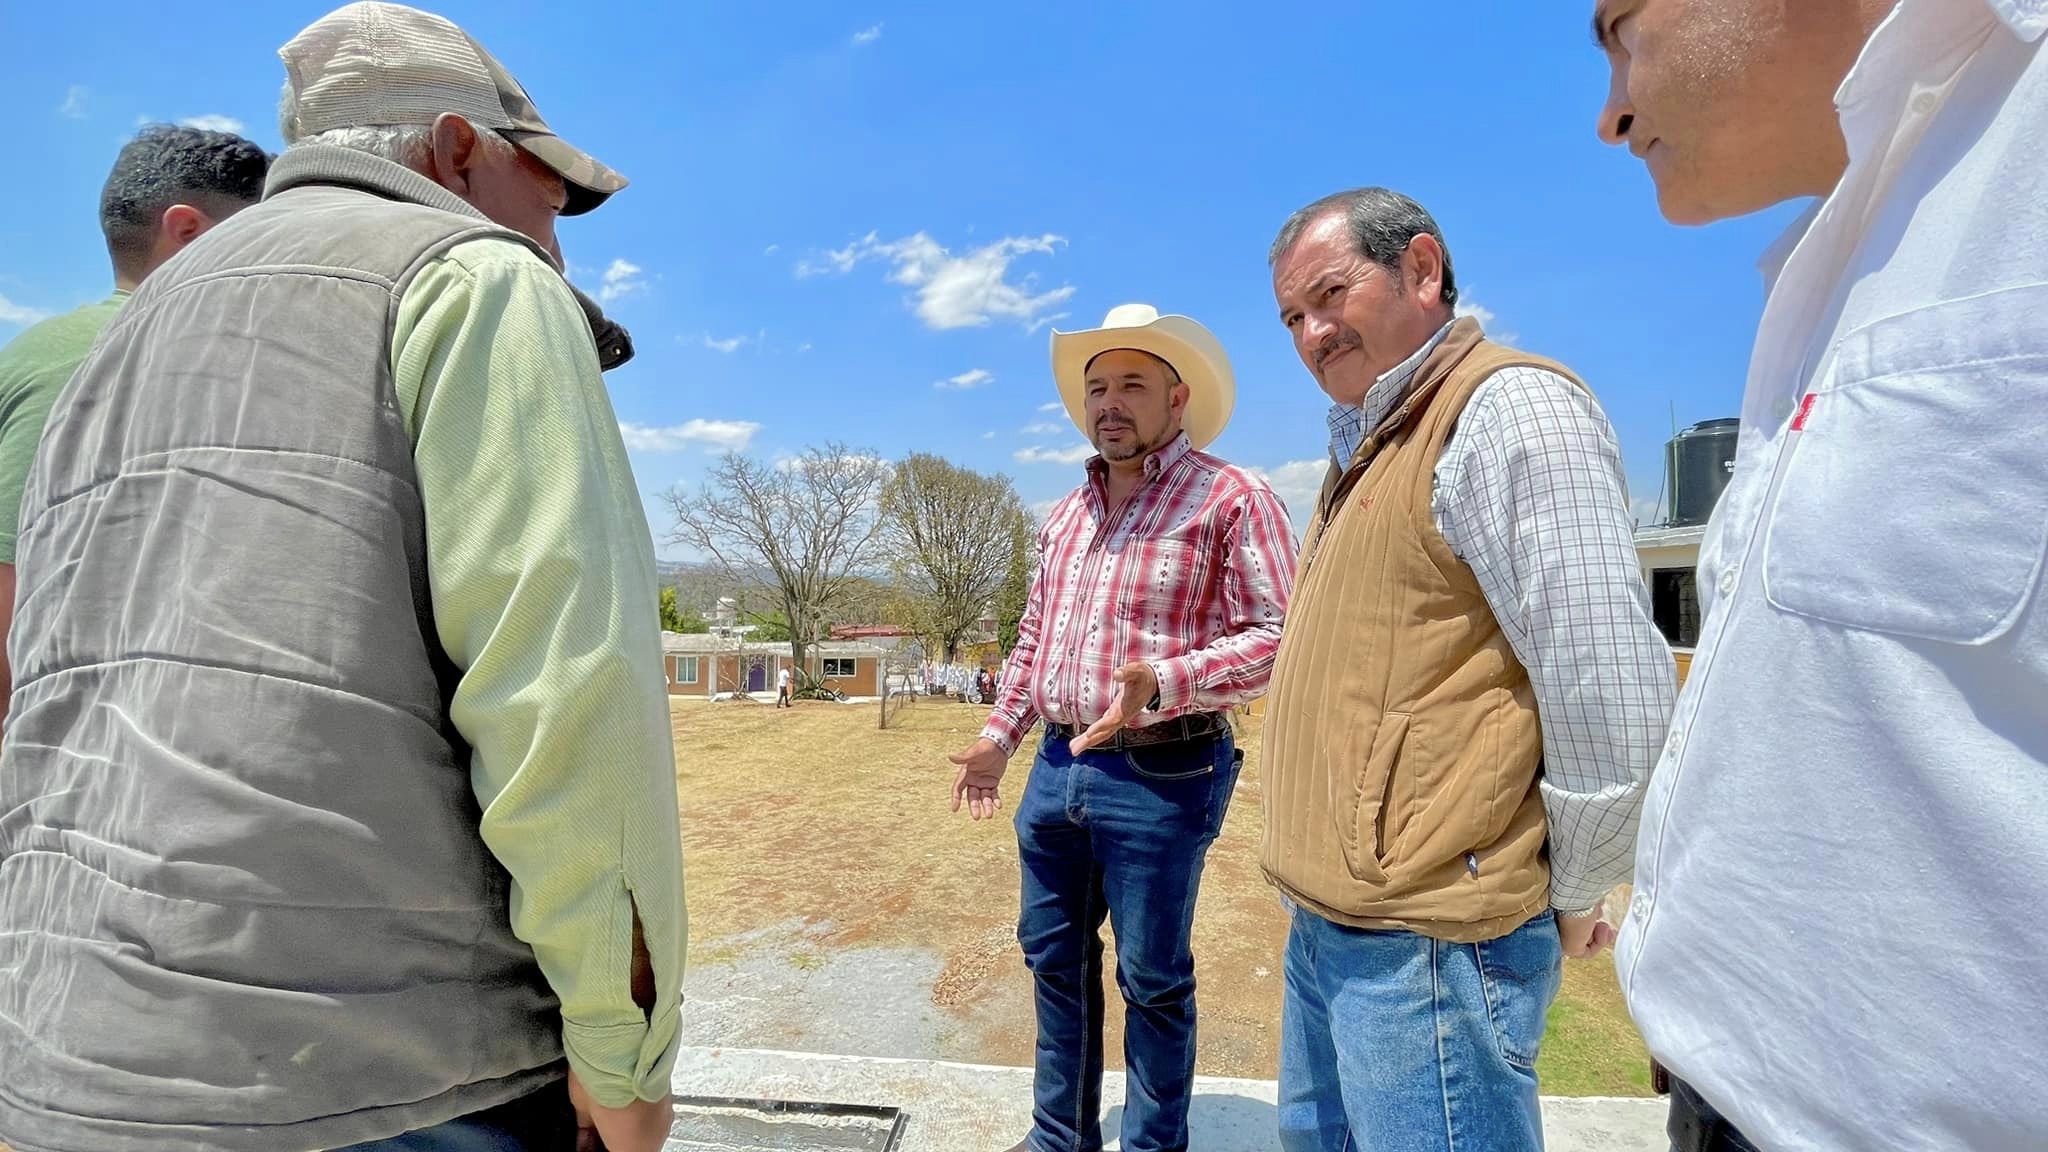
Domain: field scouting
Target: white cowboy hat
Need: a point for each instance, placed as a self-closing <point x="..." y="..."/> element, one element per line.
<point x="1190" y="348"/>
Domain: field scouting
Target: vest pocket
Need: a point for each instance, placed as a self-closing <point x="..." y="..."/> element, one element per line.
<point x="1366" y="807"/>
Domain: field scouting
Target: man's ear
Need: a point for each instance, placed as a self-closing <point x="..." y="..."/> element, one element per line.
<point x="1422" y="268"/>
<point x="180" y="225"/>
<point x="1181" y="394"/>
<point x="453" y="151"/>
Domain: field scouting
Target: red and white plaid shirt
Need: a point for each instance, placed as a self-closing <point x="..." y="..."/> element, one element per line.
<point x="1191" y="576"/>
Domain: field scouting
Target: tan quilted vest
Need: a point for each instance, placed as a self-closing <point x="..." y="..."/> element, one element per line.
<point x="1402" y="747"/>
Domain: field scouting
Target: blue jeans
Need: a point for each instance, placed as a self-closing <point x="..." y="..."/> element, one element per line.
<point x="537" y="1122"/>
<point x="1123" y="835"/>
<point x="1394" y="1042"/>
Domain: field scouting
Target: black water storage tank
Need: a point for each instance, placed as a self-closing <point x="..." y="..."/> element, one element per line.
<point x="1697" y="465"/>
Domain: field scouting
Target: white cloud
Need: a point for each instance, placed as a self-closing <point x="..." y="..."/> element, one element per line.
<point x="73" y="107"/>
<point x="868" y="35"/>
<point x="1467" y="306"/>
<point x="1043" y="508"/>
<point x="622" y="279"/>
<point x="965" y="291"/>
<point x="771" y="250"/>
<point x="12" y="313"/>
<point x="728" y="345"/>
<point x="727" y="435"/>
<point x="1054" y="406"/>
<point x="1297" y="483"/>
<point x="1646" y="511"/>
<point x="804" y="347"/>
<point x="988" y="435"/>
<point x="972" y="378"/>
<point x="214" y="122"/>
<point x="1044" y="428"/>
<point x="1074" y="455"/>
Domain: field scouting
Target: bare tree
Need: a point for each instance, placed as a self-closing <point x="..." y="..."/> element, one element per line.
<point x="811" y="524"/>
<point x="953" y="532"/>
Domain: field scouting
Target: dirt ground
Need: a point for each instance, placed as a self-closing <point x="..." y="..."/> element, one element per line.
<point x="836" y="905"/>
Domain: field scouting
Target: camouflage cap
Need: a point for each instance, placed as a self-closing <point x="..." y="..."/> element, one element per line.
<point x="373" y="63"/>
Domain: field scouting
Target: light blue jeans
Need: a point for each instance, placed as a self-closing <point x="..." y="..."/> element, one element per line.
<point x="1394" y="1042"/>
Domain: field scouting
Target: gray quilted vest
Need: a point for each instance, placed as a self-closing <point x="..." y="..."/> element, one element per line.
<point x="244" y="904"/>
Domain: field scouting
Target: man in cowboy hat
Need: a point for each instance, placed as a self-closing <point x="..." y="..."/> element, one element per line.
<point x="1157" y="606"/>
<point x="1465" y="708"/>
<point x="354" y="823"/>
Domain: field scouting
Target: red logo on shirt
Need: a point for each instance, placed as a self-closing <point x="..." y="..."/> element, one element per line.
<point x="1805" y="410"/>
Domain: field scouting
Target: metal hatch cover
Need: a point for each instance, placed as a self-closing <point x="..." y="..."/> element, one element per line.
<point x="732" y="1124"/>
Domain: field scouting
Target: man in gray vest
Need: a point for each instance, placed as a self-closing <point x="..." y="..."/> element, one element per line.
<point x="339" y="789"/>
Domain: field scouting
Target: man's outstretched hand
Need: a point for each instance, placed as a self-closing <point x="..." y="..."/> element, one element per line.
<point x="981" y="771"/>
<point x="1136" y="685"/>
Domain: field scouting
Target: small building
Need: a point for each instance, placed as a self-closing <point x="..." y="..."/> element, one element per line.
<point x="1670" y="555"/>
<point x="1698" y="463"/>
<point x="708" y="664"/>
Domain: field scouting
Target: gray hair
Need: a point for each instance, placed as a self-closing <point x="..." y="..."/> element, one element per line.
<point x="1383" y="224"/>
<point x="407" y="144"/>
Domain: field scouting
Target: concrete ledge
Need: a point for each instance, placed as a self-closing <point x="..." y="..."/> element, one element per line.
<point x="973" y="1108"/>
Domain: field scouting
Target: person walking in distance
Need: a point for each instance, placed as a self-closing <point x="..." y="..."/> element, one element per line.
<point x="782" y="688"/>
<point x="1157" y="608"/>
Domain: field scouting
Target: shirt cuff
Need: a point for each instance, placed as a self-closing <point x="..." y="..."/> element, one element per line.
<point x="1005" y="737"/>
<point x="621" y="1063"/>
<point x="1176" y="685"/>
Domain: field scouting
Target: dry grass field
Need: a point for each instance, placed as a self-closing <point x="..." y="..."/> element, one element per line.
<point x="837" y="905"/>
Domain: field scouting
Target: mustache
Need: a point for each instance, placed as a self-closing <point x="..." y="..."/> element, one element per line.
<point x="1113" y="422"/>
<point x="1343" y="343"/>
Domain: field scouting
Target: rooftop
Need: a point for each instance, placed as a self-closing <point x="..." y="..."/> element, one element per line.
<point x="706" y="643"/>
<point x="1670" y="535"/>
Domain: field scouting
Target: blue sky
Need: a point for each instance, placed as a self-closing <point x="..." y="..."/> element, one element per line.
<point x="856" y="220"/>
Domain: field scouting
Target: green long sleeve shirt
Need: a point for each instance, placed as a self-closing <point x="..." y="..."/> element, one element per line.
<point x="34" y="367"/>
<point x="541" y="571"/>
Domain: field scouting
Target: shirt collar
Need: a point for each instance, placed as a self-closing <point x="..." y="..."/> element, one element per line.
<point x="1365" y="418"/>
<point x="2028" y="19"/>
<point x="1919" y="46"/>
<point x="1156" y="464"/>
<point x="1772" y="263"/>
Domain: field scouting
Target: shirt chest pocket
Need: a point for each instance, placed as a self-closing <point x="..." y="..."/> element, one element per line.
<point x="1915" y="499"/>
<point x="1160" y="583"/>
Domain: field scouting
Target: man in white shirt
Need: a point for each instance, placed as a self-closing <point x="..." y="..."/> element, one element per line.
<point x="782" y="693"/>
<point x="1839" y="931"/>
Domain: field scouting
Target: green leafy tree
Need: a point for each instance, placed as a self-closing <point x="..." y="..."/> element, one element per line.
<point x="1016" y="589"/>
<point x="674" y="619"/>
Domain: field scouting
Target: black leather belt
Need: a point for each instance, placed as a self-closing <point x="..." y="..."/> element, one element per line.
<point x="1199" y="726"/>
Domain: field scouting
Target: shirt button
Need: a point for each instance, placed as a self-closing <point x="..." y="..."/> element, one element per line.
<point x="1675" y="746"/>
<point x="1923" y="103"/>
<point x="1640" y="906"/>
<point x="1728" y="582"/>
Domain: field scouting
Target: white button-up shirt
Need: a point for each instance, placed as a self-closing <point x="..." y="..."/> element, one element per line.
<point x="1840" y="934"/>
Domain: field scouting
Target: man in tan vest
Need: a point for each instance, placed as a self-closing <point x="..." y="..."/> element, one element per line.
<point x="1465" y="707"/>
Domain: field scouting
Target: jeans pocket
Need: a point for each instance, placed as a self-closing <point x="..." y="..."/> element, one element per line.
<point x="1520" y="973"/>
<point x="1166" y="763"/>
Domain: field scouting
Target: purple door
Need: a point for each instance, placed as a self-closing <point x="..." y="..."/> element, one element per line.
<point x="757" y="676"/>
